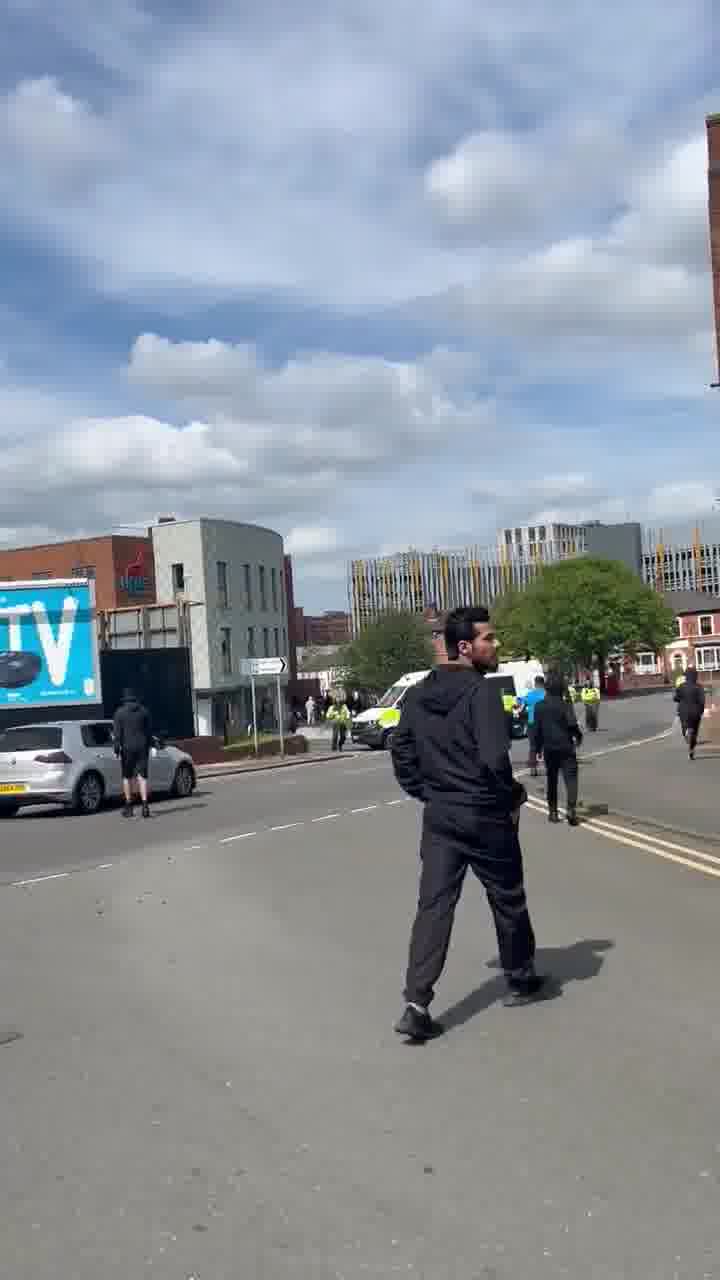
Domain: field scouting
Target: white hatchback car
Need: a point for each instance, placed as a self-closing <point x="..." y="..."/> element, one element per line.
<point x="73" y="763"/>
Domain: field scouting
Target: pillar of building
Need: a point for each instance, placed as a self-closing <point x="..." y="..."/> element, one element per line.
<point x="713" y="138"/>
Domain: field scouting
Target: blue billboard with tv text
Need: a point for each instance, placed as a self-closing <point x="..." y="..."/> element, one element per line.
<point x="48" y="644"/>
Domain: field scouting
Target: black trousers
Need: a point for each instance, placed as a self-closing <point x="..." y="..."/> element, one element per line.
<point x="591" y="716"/>
<point x="339" y="733"/>
<point x="495" y="857"/>
<point x="693" y="729"/>
<point x="532" y="746"/>
<point x="565" y="763"/>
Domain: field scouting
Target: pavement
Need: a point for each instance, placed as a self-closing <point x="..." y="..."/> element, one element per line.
<point x="201" y="1080"/>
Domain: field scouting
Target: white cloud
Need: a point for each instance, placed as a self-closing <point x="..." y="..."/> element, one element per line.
<point x="50" y="140"/>
<point x="311" y="540"/>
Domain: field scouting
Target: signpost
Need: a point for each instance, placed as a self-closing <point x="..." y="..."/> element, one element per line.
<point x="254" y="667"/>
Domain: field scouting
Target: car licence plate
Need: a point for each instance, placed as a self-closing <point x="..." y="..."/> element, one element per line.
<point x="12" y="788"/>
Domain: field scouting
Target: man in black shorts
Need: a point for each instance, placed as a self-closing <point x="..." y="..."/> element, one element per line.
<point x="133" y="739"/>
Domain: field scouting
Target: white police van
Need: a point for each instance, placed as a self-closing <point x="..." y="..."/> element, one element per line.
<point x="375" y="727"/>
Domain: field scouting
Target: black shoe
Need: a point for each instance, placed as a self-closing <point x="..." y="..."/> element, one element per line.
<point x="533" y="773"/>
<point x="128" y="811"/>
<point x="146" y="811"/>
<point x="691" y="754"/>
<point x="553" y="816"/>
<point x="573" y="820"/>
<point x="524" y="990"/>
<point x="417" y="1025"/>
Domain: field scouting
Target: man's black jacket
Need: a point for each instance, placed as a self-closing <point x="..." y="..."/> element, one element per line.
<point x="132" y="729"/>
<point x="450" y="750"/>
<point x="556" y="727"/>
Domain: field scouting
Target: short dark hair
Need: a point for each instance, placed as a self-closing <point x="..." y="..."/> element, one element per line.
<point x="539" y="682"/>
<point x="555" y="684"/>
<point x="460" y="625"/>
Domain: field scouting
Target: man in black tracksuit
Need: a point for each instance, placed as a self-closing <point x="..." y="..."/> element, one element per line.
<point x="690" y="697"/>
<point x="450" y="752"/>
<point x="557" y="733"/>
<point x="132" y="733"/>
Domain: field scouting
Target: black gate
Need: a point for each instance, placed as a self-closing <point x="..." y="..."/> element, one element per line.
<point x="161" y="679"/>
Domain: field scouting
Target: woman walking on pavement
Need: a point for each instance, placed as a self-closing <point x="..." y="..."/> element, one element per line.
<point x="557" y="734"/>
<point x="690" y="697"/>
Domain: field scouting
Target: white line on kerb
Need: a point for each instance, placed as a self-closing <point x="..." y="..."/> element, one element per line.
<point x="390" y="803"/>
<point x="194" y="848"/>
<point x="286" y="826"/>
<point x="326" y="817"/>
<point x="59" y="875"/>
<point x="368" y="808"/>
<point x="104" y="866"/>
<point x="245" y="836"/>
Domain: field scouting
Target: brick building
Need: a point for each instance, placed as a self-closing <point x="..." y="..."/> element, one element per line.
<point x="123" y="567"/>
<point x="320" y="630"/>
<point x="713" y="137"/>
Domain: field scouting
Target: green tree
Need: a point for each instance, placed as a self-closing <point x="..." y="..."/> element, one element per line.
<point x="384" y="650"/>
<point x="579" y="612"/>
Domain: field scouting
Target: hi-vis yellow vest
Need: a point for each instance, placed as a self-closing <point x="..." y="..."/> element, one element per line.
<point x="508" y="701"/>
<point x="680" y="680"/>
<point x="389" y="718"/>
<point x="590" y="696"/>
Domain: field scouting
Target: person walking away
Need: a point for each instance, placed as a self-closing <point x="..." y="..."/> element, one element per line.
<point x="339" y="718"/>
<point x="590" y="698"/>
<point x="680" y="703"/>
<point x="451" y="752"/>
<point x="310" y="711"/>
<point x="557" y="734"/>
<point x="132" y="733"/>
<point x="691" y="706"/>
<point x="532" y="698"/>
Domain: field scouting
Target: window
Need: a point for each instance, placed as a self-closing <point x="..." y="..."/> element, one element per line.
<point x="266" y="642"/>
<point x="277" y="642"/>
<point x="222" y="585"/>
<point x="646" y="664"/>
<point x="247" y="584"/>
<point x="508" y="537"/>
<point x="541" y="533"/>
<point x="178" y="578"/>
<point x="708" y="659"/>
<point x="706" y="624"/>
<point x="83" y="571"/>
<point x="531" y="534"/>
<point x="251" y="642"/>
<point x="226" y="650"/>
<point x="43" y="573"/>
<point x="678" y="627"/>
<point x="285" y="644"/>
<point x="518" y="536"/>
<point x="97" y="735"/>
<point x="274" y="588"/>
<point x="31" y="739"/>
<point x="263" y="587"/>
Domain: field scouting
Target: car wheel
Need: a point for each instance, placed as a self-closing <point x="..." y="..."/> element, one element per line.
<point x="8" y="810"/>
<point x="183" y="782"/>
<point x="89" y="794"/>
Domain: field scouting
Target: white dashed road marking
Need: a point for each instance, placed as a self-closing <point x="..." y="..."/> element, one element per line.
<point x="327" y="817"/>
<point x="287" y="826"/>
<point x="59" y="875"/>
<point x="245" y="835"/>
<point x="368" y="808"/>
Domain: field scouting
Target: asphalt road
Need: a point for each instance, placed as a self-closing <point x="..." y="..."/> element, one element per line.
<point x="206" y="1083"/>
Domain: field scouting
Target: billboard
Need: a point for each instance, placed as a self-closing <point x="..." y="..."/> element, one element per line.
<point x="48" y="644"/>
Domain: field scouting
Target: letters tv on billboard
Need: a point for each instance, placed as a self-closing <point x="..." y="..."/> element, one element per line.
<point x="49" y="644"/>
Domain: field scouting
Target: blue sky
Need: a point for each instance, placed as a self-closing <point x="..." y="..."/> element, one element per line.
<point x="377" y="275"/>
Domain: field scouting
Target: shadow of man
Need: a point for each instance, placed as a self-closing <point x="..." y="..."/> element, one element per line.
<point x="579" y="962"/>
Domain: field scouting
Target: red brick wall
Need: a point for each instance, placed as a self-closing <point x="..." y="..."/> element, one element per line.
<point x="713" y="136"/>
<point x="109" y="556"/>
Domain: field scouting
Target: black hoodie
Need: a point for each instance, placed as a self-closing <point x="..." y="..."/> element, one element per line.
<point x="132" y="729"/>
<point x="450" y="749"/>
<point x="690" y="697"/>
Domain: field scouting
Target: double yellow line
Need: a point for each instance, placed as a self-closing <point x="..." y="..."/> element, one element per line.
<point x="706" y="863"/>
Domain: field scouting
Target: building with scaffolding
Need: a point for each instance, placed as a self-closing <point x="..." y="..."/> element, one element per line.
<point x="683" y="557"/>
<point x="436" y="581"/>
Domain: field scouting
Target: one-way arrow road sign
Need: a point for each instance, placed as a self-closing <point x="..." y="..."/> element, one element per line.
<point x="263" y="666"/>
